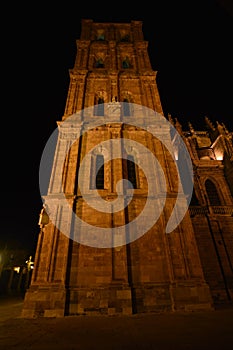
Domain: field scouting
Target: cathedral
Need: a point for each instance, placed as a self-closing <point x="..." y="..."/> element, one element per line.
<point x="102" y="249"/>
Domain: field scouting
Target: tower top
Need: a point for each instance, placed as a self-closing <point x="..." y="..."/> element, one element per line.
<point x="131" y="31"/>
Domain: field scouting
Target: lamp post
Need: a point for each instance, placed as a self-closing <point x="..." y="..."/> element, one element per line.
<point x="29" y="263"/>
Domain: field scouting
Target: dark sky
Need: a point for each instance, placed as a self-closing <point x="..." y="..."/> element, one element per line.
<point x="190" y="45"/>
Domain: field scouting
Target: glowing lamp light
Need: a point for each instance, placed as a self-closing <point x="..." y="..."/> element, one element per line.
<point x="30" y="263"/>
<point x="219" y="155"/>
<point x="17" y="269"/>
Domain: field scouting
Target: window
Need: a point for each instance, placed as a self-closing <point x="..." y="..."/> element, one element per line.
<point x="99" y="172"/>
<point x="126" y="107"/>
<point x="100" y="35"/>
<point x="124" y="35"/>
<point x="212" y="193"/>
<point x="126" y="63"/>
<point x="99" y="63"/>
<point x="99" y="108"/>
<point x="131" y="170"/>
<point x="125" y="38"/>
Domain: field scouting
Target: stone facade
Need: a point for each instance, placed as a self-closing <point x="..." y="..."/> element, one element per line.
<point x="211" y="208"/>
<point x="187" y="269"/>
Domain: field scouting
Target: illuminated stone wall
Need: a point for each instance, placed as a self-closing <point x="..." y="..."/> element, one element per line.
<point x="182" y="270"/>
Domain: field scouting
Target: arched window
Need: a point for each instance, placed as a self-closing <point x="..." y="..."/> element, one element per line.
<point x="131" y="170"/>
<point x="100" y="35"/>
<point x="126" y="63"/>
<point x="99" y="108"/>
<point x="99" y="63"/>
<point x="126" y="107"/>
<point x="125" y="38"/>
<point x="212" y="193"/>
<point x="99" y="172"/>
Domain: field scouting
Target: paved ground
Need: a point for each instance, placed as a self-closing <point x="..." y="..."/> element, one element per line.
<point x="183" y="331"/>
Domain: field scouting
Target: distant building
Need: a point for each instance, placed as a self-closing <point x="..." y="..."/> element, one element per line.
<point x="188" y="269"/>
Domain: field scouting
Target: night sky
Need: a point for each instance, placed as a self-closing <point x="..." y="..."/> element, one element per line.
<point x="190" y="46"/>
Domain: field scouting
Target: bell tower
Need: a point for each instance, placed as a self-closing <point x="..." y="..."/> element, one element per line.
<point x="112" y="95"/>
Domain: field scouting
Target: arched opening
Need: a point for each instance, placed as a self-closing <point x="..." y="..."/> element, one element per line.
<point x="99" y="63"/>
<point x="99" y="107"/>
<point x="100" y="34"/>
<point x="126" y="63"/>
<point x="126" y="108"/>
<point x="125" y="38"/>
<point x="212" y="193"/>
<point x="131" y="170"/>
<point x="99" y="172"/>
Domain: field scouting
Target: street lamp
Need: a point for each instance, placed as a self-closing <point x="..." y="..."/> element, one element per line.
<point x="30" y="265"/>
